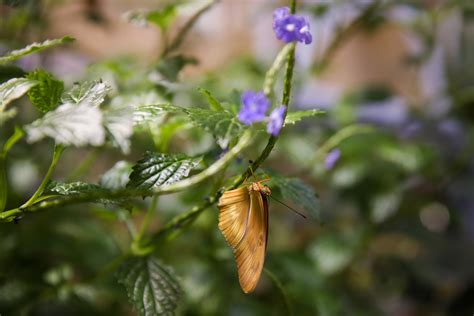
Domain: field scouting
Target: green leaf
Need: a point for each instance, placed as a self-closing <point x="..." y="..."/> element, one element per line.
<point x="138" y="104"/>
<point x="213" y="103"/>
<point x="163" y="17"/>
<point x="298" y="192"/>
<point x="224" y="125"/>
<point x="170" y="67"/>
<point x="34" y="48"/>
<point x="72" y="188"/>
<point x="294" y="117"/>
<point x="70" y="124"/>
<point x="156" y="169"/>
<point x="117" y="177"/>
<point x="118" y="121"/>
<point x="46" y="95"/>
<point x="14" y="89"/>
<point x="152" y="287"/>
<point x="90" y="92"/>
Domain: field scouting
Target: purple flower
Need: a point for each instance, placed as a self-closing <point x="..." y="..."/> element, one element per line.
<point x="254" y="107"/>
<point x="331" y="158"/>
<point x="276" y="120"/>
<point x="291" y="27"/>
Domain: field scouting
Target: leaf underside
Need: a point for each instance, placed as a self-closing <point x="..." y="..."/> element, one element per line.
<point x="152" y="287"/>
<point x="157" y="169"/>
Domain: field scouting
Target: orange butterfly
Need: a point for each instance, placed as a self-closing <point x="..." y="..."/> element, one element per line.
<point x="243" y="220"/>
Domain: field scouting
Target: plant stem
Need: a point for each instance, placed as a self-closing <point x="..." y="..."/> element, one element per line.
<point x="58" y="150"/>
<point x="282" y="290"/>
<point x="146" y="221"/>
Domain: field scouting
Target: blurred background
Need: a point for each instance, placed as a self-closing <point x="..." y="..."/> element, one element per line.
<point x="391" y="160"/>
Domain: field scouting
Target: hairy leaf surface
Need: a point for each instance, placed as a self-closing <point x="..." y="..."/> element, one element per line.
<point x="46" y="95"/>
<point x="152" y="287"/>
<point x="157" y="169"/>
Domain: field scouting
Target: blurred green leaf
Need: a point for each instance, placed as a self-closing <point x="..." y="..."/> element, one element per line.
<point x="298" y="192"/>
<point x="14" y="89"/>
<point x="152" y="287"/>
<point x="116" y="177"/>
<point x="223" y="125"/>
<point x="70" y="124"/>
<point x="118" y="122"/>
<point x="157" y="169"/>
<point x="91" y="93"/>
<point x="294" y="117"/>
<point x="34" y="48"/>
<point x="170" y="67"/>
<point x="213" y="103"/>
<point x="164" y="17"/>
<point x="46" y="95"/>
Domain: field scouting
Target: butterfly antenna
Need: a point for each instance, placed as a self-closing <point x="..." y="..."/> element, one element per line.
<point x="251" y="170"/>
<point x="299" y="213"/>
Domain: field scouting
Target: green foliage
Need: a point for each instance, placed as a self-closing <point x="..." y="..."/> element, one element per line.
<point x="70" y="125"/>
<point x="46" y="95"/>
<point x="213" y="103"/>
<point x="91" y="93"/>
<point x="116" y="177"/>
<point x="152" y="287"/>
<point x="170" y="67"/>
<point x="34" y="48"/>
<point x="72" y="188"/>
<point x="155" y="170"/>
<point x="14" y="89"/>
<point x="296" y="191"/>
<point x="294" y="117"/>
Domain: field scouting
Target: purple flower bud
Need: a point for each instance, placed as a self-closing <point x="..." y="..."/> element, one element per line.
<point x="291" y="27"/>
<point x="331" y="158"/>
<point x="254" y="107"/>
<point x="276" y="120"/>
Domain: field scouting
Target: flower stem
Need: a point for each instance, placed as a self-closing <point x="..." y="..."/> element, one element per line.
<point x="58" y="150"/>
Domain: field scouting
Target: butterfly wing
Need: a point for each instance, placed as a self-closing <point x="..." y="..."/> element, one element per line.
<point x="244" y="224"/>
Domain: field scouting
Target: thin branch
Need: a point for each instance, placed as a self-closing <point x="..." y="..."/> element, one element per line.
<point x="178" y="40"/>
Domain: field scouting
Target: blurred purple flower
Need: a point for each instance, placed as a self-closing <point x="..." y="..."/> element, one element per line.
<point x="331" y="158"/>
<point x="254" y="107"/>
<point x="276" y="120"/>
<point x="291" y="27"/>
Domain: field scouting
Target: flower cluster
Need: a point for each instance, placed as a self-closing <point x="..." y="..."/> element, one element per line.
<point x="291" y="27"/>
<point x="254" y="108"/>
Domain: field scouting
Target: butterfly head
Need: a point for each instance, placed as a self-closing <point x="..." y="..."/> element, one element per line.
<point x="258" y="186"/>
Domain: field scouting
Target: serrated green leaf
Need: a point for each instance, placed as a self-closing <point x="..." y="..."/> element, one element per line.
<point x="294" y="117"/>
<point x="117" y="177"/>
<point x="46" y="95"/>
<point x="70" y="124"/>
<point x="224" y="125"/>
<point x="213" y="102"/>
<point x="33" y="48"/>
<point x="14" y="89"/>
<point x="298" y="192"/>
<point x="152" y="287"/>
<point x="72" y="188"/>
<point x="157" y="169"/>
<point x="138" y="103"/>
<point x="92" y="93"/>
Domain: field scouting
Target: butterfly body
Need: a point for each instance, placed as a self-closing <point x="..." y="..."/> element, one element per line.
<point x="243" y="220"/>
